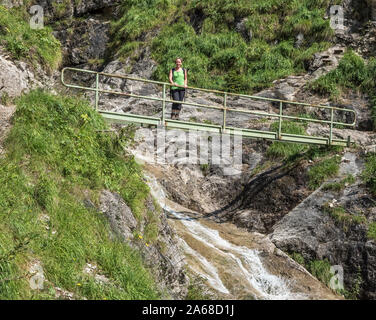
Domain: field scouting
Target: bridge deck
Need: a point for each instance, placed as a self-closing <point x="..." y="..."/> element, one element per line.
<point x="185" y="125"/>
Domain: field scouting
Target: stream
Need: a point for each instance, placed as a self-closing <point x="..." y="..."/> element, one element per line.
<point x="232" y="270"/>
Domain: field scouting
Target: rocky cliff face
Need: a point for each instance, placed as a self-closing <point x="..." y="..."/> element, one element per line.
<point x="310" y="230"/>
<point x="83" y="29"/>
<point x="359" y="26"/>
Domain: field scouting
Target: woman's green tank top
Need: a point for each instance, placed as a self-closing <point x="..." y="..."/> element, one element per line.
<point x="178" y="77"/>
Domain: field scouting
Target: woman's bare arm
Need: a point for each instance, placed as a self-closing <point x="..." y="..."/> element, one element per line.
<point x="185" y="78"/>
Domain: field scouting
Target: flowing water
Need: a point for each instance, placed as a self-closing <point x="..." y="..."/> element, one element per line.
<point x="227" y="267"/>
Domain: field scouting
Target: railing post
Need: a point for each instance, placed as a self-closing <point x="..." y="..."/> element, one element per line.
<point x="96" y="91"/>
<point x="331" y="126"/>
<point x="163" y="104"/>
<point x="224" y="113"/>
<point x="280" y="120"/>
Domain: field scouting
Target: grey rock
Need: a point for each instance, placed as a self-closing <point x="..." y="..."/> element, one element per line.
<point x="13" y="80"/>
<point x="118" y="213"/>
<point x="63" y="9"/>
<point x="37" y="278"/>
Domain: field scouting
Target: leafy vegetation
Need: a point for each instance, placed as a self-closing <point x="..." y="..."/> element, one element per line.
<point x="24" y="43"/>
<point x="352" y="73"/>
<point x="239" y="46"/>
<point x="56" y="158"/>
<point x="323" y="170"/>
<point x="369" y="173"/>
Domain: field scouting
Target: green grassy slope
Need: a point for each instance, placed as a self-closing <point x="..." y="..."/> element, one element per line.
<point x="219" y="54"/>
<point x="55" y="159"/>
<point x="23" y="43"/>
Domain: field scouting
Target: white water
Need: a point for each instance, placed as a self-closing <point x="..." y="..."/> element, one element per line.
<point x="211" y="272"/>
<point x="267" y="285"/>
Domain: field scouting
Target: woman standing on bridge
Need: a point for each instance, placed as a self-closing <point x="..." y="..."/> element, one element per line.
<point x="178" y="78"/>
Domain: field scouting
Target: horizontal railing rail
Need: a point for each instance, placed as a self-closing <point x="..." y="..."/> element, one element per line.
<point x="115" y="116"/>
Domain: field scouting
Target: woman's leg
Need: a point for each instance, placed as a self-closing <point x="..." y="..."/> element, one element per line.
<point x="181" y="98"/>
<point x="175" y="106"/>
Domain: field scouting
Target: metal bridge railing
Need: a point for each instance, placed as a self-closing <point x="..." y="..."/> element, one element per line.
<point x="279" y="135"/>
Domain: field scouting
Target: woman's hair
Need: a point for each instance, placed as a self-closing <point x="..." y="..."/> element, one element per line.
<point x="179" y="59"/>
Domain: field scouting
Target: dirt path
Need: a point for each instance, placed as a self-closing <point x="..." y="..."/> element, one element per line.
<point x="6" y="113"/>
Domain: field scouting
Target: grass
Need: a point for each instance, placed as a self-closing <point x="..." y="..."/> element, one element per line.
<point x="318" y="268"/>
<point x="205" y="168"/>
<point x="55" y="159"/>
<point x="24" y="43"/>
<point x="196" y="289"/>
<point x="352" y="73"/>
<point x="323" y="170"/>
<point x="340" y="185"/>
<point x="286" y="150"/>
<point x="217" y="51"/>
<point x="371" y="234"/>
<point x="321" y="270"/>
<point x="344" y="218"/>
<point x="369" y="173"/>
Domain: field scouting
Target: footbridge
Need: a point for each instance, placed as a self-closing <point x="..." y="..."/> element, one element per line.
<point x="163" y="98"/>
